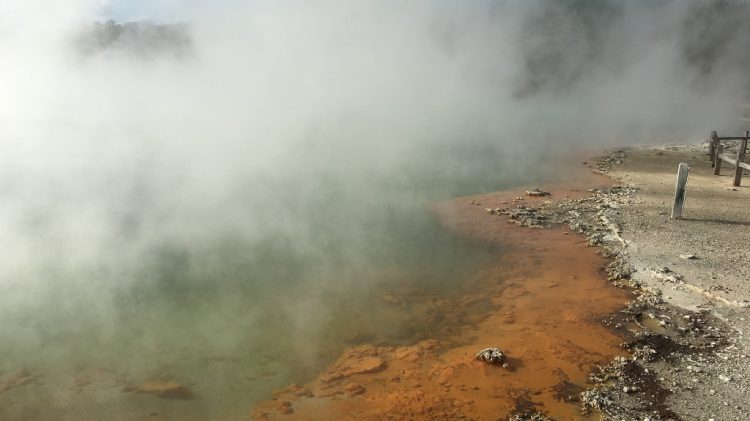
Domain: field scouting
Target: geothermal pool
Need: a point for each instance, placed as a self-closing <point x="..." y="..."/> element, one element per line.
<point x="210" y="331"/>
<point x="541" y="299"/>
<point x="229" y="315"/>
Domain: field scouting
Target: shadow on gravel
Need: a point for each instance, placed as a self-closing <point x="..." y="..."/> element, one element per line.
<point x="718" y="221"/>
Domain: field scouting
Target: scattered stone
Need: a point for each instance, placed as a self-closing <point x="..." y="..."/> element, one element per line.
<point x="666" y="274"/>
<point x="596" y="399"/>
<point x="619" y="269"/>
<point x="650" y="346"/>
<point x="536" y="416"/>
<point x="537" y="193"/>
<point x="490" y="355"/>
<point x="688" y="256"/>
<point x="527" y="216"/>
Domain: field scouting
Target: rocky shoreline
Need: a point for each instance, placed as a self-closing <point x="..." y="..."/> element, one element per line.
<point x="679" y="355"/>
<point x="516" y="336"/>
<point x="682" y="352"/>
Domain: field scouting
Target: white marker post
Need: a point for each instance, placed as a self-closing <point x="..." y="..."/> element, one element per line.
<point x="679" y="193"/>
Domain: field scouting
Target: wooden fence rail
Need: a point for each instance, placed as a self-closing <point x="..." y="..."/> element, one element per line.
<point x="716" y="152"/>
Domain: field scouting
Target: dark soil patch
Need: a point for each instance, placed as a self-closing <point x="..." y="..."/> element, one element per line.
<point x="524" y="406"/>
<point x="651" y="346"/>
<point x="566" y="391"/>
<point x="654" y="396"/>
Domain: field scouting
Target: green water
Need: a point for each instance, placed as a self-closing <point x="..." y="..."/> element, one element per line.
<point x="235" y="315"/>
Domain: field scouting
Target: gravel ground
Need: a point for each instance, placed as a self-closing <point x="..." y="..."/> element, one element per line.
<point x="716" y="282"/>
<point x="686" y="327"/>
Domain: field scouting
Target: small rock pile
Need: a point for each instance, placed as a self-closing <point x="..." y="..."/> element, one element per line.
<point x="536" y="416"/>
<point x="537" y="193"/>
<point x="491" y="356"/>
<point x="605" y="163"/>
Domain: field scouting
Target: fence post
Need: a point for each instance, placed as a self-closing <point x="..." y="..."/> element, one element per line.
<point x="679" y="193"/>
<point x="712" y="147"/>
<point x="740" y="158"/>
<point x="717" y="159"/>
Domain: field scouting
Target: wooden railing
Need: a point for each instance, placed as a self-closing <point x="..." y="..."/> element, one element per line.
<point x="716" y="152"/>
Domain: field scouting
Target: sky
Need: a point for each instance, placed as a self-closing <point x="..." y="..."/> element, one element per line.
<point x="118" y="10"/>
<point x="162" y="10"/>
<point x="126" y="10"/>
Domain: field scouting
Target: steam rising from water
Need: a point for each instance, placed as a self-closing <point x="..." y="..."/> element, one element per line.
<point x="289" y="151"/>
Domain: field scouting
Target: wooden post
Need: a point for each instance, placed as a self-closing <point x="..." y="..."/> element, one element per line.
<point x="712" y="146"/>
<point x="679" y="193"/>
<point x="717" y="159"/>
<point x="740" y="158"/>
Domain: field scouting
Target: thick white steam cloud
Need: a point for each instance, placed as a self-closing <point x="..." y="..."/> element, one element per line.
<point x="303" y="126"/>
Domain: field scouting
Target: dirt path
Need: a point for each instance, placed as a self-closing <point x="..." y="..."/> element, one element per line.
<point x="689" y="348"/>
<point x="715" y="228"/>
<point x="716" y="282"/>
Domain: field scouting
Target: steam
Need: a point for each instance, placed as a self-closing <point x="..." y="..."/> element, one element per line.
<point x="267" y="157"/>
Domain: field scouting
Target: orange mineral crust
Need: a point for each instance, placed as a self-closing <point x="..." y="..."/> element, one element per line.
<point x="547" y="301"/>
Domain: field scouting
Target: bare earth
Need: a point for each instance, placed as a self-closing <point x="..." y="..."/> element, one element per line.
<point x="715" y="229"/>
<point x="690" y="357"/>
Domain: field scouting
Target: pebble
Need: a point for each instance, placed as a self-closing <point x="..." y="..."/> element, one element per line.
<point x="491" y="355"/>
